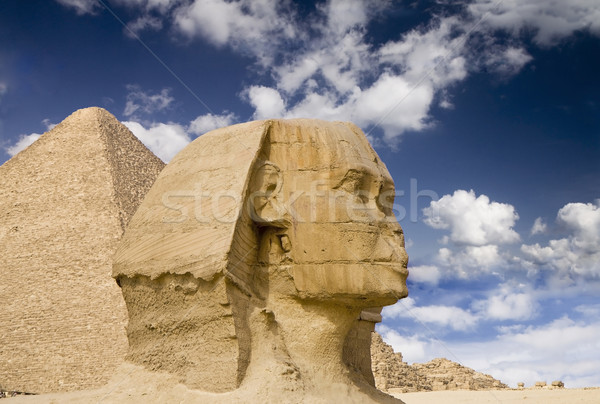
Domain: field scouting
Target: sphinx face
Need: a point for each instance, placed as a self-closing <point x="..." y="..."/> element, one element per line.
<point x="342" y="239"/>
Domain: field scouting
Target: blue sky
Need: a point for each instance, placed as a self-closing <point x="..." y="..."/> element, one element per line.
<point x="487" y="114"/>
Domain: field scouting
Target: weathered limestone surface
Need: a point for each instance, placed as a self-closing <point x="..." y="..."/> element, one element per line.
<point x="392" y="374"/>
<point x="64" y="204"/>
<point x="250" y="266"/>
<point x="447" y="375"/>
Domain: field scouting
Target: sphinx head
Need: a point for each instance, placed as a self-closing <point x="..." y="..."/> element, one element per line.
<point x="297" y="213"/>
<point x="322" y="204"/>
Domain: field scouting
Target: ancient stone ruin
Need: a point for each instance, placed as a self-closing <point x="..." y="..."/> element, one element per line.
<point x="393" y="374"/>
<point x="64" y="205"/>
<point x="259" y="248"/>
<point x="255" y="269"/>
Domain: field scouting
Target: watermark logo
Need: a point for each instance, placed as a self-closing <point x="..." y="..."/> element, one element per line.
<point x="318" y="202"/>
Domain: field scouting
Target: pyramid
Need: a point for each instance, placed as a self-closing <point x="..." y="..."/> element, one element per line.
<point x="64" y="204"/>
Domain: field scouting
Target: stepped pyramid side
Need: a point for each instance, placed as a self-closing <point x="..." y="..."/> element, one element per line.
<point x="392" y="374"/>
<point x="64" y="202"/>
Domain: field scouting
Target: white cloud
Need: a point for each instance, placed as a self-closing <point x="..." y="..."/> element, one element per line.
<point x="379" y="104"/>
<point x="413" y="348"/>
<point x="156" y="5"/>
<point x="26" y="140"/>
<point x="325" y="65"/>
<point x="164" y="140"/>
<point x="139" y="101"/>
<point x="477" y="227"/>
<point x="395" y="104"/>
<point x="425" y="274"/>
<point x="562" y="349"/>
<point x="590" y="311"/>
<point x="266" y="101"/>
<point x="21" y="144"/>
<point x="578" y="254"/>
<point x="208" y="122"/>
<point x="557" y="252"/>
<point x="324" y="73"/>
<point x="538" y="226"/>
<point x="142" y="23"/>
<point x="507" y="304"/>
<point x="246" y="25"/>
<point x="81" y="6"/>
<point x="443" y="316"/>
<point x="507" y="61"/>
<point x="473" y="220"/>
<point x="435" y="50"/>
<point x="550" y="20"/>
<point x="584" y="221"/>
<point x="469" y="260"/>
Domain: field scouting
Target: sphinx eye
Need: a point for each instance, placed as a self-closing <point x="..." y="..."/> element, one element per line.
<point x="351" y="183"/>
<point x="361" y="196"/>
<point x="385" y="200"/>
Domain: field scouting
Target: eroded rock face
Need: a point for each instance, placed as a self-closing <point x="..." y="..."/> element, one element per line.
<point x="248" y="265"/>
<point x="447" y="375"/>
<point x="64" y="204"/>
<point x="392" y="374"/>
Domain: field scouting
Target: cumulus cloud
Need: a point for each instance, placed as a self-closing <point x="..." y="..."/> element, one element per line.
<point x="468" y="261"/>
<point x="506" y="303"/>
<point x="574" y="256"/>
<point x="208" y="122"/>
<point x="81" y="6"/>
<point x="150" y="5"/>
<point x="583" y="219"/>
<point x="21" y="144"/>
<point x="26" y="140"/>
<point x="435" y="50"/>
<point x="472" y="220"/>
<point x="425" y="274"/>
<point x="165" y="140"/>
<point x="589" y="310"/>
<point x="550" y="21"/>
<point x="538" y="226"/>
<point x="248" y="26"/>
<point x="91" y="6"/>
<point x="413" y="348"/>
<point x="3" y="89"/>
<point x="325" y="65"/>
<point x="562" y="349"/>
<point x="143" y="102"/>
<point x="507" y="61"/>
<point x="392" y="87"/>
<point x="444" y="316"/>
<point x="267" y="102"/>
<point x="143" y="23"/>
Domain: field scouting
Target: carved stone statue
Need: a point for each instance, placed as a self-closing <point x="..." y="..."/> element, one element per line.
<point x="247" y="267"/>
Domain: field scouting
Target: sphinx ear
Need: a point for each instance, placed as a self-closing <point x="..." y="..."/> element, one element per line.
<point x="266" y="206"/>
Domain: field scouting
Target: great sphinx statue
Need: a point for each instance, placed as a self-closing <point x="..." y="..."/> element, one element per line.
<point x="247" y="269"/>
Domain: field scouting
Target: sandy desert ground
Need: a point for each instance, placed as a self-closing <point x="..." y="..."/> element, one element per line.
<point x="589" y="395"/>
<point x="533" y="396"/>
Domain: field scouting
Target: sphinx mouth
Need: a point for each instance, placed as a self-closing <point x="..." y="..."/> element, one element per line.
<point x="401" y="270"/>
<point x="399" y="267"/>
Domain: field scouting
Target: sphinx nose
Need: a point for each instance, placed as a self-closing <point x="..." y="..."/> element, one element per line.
<point x="390" y="246"/>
